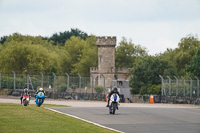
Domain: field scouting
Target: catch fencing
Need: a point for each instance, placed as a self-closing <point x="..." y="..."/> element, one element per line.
<point x="180" y="86"/>
<point x="56" y="86"/>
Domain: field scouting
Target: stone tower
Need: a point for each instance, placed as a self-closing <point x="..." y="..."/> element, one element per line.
<point x="106" y="54"/>
<point x="106" y="63"/>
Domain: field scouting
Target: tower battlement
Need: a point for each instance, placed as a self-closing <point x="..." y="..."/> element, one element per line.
<point x="106" y="40"/>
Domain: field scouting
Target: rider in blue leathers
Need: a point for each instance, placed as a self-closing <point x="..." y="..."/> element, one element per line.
<point x="40" y="90"/>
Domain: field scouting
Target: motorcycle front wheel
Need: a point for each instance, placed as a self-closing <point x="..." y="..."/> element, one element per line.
<point x="24" y="102"/>
<point x="113" y="108"/>
<point x="39" y="102"/>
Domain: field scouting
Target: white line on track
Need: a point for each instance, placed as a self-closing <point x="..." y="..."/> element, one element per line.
<point x="85" y="120"/>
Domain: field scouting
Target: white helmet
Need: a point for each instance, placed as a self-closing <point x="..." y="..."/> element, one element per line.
<point x="41" y="89"/>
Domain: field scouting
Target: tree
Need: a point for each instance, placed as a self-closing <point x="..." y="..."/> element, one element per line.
<point x="194" y="66"/>
<point x="146" y="71"/>
<point x="151" y="89"/>
<point x="181" y="56"/>
<point x="127" y="52"/>
<point x="21" y="53"/>
<point x="61" y="37"/>
<point x="88" y="59"/>
<point x="83" y="54"/>
<point x="3" y="39"/>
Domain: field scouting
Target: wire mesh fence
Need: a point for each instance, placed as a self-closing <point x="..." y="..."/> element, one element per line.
<point x="53" y="84"/>
<point x="32" y="82"/>
<point x="56" y="86"/>
<point x="182" y="86"/>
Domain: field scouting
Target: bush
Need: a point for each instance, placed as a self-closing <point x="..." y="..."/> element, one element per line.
<point x="99" y="89"/>
<point x="8" y="82"/>
<point x="36" y="82"/>
<point x="73" y="86"/>
<point x="153" y="89"/>
<point x="62" y="87"/>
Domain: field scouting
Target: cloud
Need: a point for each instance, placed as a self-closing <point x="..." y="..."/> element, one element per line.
<point x="148" y="23"/>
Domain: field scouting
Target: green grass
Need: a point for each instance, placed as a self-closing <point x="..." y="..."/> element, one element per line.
<point x="14" y="118"/>
<point x="53" y="105"/>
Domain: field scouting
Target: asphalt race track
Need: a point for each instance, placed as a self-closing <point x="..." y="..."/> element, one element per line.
<point x="141" y="120"/>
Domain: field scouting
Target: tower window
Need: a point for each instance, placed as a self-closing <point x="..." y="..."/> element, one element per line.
<point x="100" y="57"/>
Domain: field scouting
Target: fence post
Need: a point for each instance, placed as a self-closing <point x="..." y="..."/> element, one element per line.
<point x="190" y="87"/>
<point x="14" y="80"/>
<point x="176" y="85"/>
<point x="197" y="86"/>
<point x="54" y="83"/>
<point x="42" y="79"/>
<point x="104" y="83"/>
<point x="0" y="80"/>
<point x="54" y="80"/>
<point x="92" y="82"/>
<point x="27" y="79"/>
<point x="79" y="82"/>
<point x="67" y="80"/>
<point x="163" y="85"/>
<point x="184" y="85"/>
<point x="170" y="83"/>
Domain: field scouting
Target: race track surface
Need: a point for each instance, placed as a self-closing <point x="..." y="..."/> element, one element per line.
<point x="141" y="120"/>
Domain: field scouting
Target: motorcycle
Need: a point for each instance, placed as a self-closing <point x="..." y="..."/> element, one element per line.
<point x="114" y="101"/>
<point x="25" y="100"/>
<point x="40" y="99"/>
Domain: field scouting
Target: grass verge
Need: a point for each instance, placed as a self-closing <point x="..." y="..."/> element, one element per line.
<point x="14" y="118"/>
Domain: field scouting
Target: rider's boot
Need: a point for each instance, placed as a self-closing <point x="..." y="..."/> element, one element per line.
<point x="21" y="100"/>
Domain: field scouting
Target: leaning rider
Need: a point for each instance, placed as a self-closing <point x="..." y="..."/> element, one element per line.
<point x="25" y="93"/>
<point x="112" y="92"/>
<point x="40" y="90"/>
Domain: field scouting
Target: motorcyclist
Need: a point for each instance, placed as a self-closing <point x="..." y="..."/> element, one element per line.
<point x="25" y="93"/>
<point x="40" y="90"/>
<point x="112" y="92"/>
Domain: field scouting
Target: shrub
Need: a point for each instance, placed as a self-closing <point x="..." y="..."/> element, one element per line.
<point x="73" y="86"/>
<point x="99" y="89"/>
<point x="62" y="87"/>
<point x="153" y="89"/>
<point x="8" y="82"/>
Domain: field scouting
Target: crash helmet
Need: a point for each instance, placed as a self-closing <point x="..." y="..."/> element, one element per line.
<point x="41" y="89"/>
<point x="115" y="89"/>
<point x="26" y="90"/>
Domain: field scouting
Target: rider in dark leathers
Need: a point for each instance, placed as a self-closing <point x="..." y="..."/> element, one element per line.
<point x="25" y="93"/>
<point x="112" y="92"/>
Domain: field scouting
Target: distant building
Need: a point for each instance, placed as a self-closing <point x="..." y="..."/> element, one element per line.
<point x="106" y="64"/>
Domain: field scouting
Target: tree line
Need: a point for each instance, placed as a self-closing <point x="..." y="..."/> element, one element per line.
<point x="75" y="52"/>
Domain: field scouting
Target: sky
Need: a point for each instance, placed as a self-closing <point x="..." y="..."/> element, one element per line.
<point x="154" y="24"/>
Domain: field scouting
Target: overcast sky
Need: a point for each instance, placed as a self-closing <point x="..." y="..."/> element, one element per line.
<point x="154" y="24"/>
